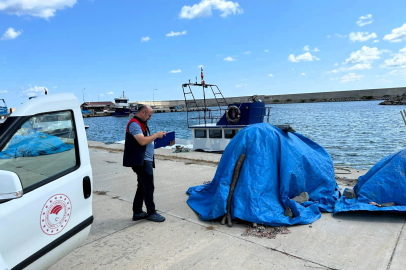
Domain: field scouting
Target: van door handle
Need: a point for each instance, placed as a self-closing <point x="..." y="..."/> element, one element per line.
<point x="87" y="187"/>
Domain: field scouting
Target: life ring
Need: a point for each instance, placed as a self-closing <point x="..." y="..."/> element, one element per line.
<point x="233" y="114"/>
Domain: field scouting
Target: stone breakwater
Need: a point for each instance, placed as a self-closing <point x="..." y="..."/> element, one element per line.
<point x="398" y="100"/>
<point x="336" y="96"/>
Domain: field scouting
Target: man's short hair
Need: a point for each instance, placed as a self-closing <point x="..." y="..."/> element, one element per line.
<point x="143" y="108"/>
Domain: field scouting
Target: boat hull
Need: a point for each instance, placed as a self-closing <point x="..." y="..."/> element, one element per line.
<point x="122" y="112"/>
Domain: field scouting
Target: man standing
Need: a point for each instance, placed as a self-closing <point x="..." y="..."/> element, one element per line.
<point x="139" y="155"/>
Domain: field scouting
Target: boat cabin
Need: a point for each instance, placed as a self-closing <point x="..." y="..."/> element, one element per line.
<point x="215" y="126"/>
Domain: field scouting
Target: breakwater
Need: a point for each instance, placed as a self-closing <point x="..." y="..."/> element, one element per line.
<point x="351" y="95"/>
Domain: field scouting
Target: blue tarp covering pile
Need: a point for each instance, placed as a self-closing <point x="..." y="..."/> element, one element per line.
<point x="34" y="144"/>
<point x="384" y="183"/>
<point x="278" y="166"/>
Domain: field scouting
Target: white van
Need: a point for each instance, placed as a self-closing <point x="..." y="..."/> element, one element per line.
<point x="45" y="183"/>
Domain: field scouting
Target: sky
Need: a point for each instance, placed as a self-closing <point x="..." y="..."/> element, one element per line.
<point x="97" y="49"/>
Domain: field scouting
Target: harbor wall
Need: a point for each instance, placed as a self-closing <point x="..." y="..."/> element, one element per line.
<point x="351" y="95"/>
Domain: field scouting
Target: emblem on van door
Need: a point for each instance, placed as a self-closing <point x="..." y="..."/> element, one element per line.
<point x="55" y="214"/>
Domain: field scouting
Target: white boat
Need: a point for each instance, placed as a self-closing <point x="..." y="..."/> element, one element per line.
<point x="213" y="129"/>
<point x="121" y="106"/>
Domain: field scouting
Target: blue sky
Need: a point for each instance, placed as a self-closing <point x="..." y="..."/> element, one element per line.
<point x="245" y="47"/>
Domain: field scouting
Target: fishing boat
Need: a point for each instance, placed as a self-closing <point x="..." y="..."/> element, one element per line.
<point x="121" y="106"/>
<point x="214" y="127"/>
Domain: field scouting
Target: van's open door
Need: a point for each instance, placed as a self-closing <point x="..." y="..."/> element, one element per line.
<point x="45" y="183"/>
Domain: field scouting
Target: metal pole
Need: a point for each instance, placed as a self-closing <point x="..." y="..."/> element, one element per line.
<point x="83" y="94"/>
<point x="403" y="112"/>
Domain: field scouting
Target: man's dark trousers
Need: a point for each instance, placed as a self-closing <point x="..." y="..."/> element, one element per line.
<point x="145" y="189"/>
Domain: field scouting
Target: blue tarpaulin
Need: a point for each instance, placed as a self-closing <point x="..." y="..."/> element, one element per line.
<point x="383" y="183"/>
<point x="34" y="144"/>
<point x="278" y="166"/>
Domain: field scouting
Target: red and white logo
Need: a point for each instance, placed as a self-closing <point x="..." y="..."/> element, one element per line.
<point x="55" y="214"/>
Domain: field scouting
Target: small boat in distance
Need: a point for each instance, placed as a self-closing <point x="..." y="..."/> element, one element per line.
<point x="121" y="106"/>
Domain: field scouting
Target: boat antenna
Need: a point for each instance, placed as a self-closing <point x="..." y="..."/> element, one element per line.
<point x="201" y="74"/>
<point x="196" y="80"/>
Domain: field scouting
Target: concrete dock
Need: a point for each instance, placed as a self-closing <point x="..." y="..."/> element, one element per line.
<point x="345" y="241"/>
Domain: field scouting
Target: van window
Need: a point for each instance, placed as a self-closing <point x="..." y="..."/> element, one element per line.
<point x="200" y="133"/>
<point x="215" y="133"/>
<point x="43" y="147"/>
<point x="230" y="133"/>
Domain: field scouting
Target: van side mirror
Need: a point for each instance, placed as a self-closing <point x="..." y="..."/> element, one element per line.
<point x="10" y="186"/>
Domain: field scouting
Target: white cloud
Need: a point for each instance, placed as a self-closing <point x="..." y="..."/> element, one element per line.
<point x="316" y="49"/>
<point x="376" y="40"/>
<point x="3" y="91"/>
<point x="360" y="60"/>
<point x="102" y="95"/>
<point x="200" y="66"/>
<point x="333" y="71"/>
<point x="350" y="77"/>
<point x="336" y="64"/>
<point x="361" y="36"/>
<point x="266" y="50"/>
<point x="397" y="34"/>
<point x="34" y="91"/>
<point x="304" y="57"/>
<point x="364" y="20"/>
<point x="365" y="55"/>
<point x="303" y="74"/>
<point x="38" y="8"/>
<point x="340" y="36"/>
<point x="334" y="79"/>
<point x="270" y="75"/>
<point x="110" y="93"/>
<point x="11" y="33"/>
<point x="204" y="9"/>
<point x="306" y="48"/>
<point x="328" y="36"/>
<point x="247" y="52"/>
<point x="145" y="39"/>
<point x="361" y="66"/>
<point x="399" y="60"/>
<point x="229" y="59"/>
<point x="176" y="71"/>
<point x="241" y="85"/>
<point x="174" y="34"/>
<point x="398" y="72"/>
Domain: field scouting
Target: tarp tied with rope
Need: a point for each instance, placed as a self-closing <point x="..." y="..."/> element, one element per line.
<point x="382" y="188"/>
<point x="278" y="166"/>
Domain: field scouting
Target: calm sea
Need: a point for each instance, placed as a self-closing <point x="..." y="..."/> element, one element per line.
<point x="356" y="134"/>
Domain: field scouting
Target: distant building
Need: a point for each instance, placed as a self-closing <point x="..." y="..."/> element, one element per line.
<point x="97" y="106"/>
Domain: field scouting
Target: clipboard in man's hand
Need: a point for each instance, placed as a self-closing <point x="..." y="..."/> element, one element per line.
<point x="165" y="140"/>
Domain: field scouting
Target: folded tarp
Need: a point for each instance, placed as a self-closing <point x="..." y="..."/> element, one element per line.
<point x="383" y="184"/>
<point x="278" y="166"/>
<point x="34" y="144"/>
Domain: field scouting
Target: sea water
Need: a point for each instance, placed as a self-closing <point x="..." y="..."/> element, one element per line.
<point x="356" y="134"/>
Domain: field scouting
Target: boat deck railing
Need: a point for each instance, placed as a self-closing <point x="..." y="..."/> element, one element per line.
<point x="209" y="116"/>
